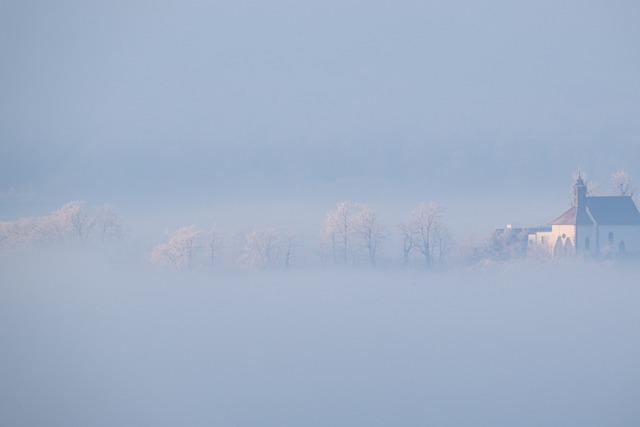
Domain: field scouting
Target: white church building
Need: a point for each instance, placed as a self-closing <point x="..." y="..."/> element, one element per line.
<point x="600" y="226"/>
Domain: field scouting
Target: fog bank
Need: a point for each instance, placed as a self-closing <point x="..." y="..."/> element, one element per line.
<point x="529" y="344"/>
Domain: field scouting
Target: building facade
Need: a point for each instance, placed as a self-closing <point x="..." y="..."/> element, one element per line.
<point x="600" y="226"/>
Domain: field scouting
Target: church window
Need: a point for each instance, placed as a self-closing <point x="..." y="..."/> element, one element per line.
<point x="611" y="237"/>
<point x="622" y="248"/>
<point x="587" y="243"/>
<point x="568" y="246"/>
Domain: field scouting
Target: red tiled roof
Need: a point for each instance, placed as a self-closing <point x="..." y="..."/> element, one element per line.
<point x="567" y="218"/>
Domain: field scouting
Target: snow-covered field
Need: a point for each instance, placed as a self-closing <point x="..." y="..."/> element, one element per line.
<point x="527" y="344"/>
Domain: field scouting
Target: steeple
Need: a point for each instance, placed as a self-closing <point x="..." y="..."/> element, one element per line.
<point x="579" y="192"/>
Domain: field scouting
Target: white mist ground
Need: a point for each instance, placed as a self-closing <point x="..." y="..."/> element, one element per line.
<point x="89" y="343"/>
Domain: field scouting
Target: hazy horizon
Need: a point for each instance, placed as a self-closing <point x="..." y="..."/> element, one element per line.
<point x="135" y="100"/>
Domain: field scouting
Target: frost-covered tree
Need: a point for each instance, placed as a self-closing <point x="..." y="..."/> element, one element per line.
<point x="18" y="234"/>
<point x="339" y="229"/>
<point x="425" y="219"/>
<point x="79" y="218"/>
<point x="109" y="224"/>
<point x="75" y="221"/>
<point x="179" y="251"/>
<point x="261" y="249"/>
<point x="369" y="230"/>
<point x="622" y="183"/>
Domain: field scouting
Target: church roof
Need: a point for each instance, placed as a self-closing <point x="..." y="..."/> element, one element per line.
<point x="573" y="216"/>
<point x="613" y="210"/>
<point x="606" y="210"/>
<point x="567" y="218"/>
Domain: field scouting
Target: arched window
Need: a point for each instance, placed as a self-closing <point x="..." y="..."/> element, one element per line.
<point x="622" y="248"/>
<point x="611" y="237"/>
<point x="587" y="243"/>
<point x="568" y="246"/>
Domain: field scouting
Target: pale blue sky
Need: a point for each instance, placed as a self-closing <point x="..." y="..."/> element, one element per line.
<point x="143" y="96"/>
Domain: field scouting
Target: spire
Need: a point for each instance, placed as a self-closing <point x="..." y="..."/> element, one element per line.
<point x="579" y="192"/>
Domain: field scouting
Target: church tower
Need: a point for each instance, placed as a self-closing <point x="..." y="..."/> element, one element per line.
<point x="580" y="193"/>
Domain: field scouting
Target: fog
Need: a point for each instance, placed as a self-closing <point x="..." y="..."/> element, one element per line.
<point x="172" y="179"/>
<point x="99" y="344"/>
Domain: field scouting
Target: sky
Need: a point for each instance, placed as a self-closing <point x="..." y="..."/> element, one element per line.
<point x="154" y="100"/>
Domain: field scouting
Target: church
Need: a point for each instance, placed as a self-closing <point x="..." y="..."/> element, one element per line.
<point x="600" y="226"/>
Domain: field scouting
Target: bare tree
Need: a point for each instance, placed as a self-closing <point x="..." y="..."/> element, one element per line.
<point x="330" y="239"/>
<point x="408" y="242"/>
<point x="81" y="220"/>
<point x="289" y="245"/>
<point x="179" y="251"/>
<point x="109" y="224"/>
<point x="339" y="228"/>
<point x="622" y="183"/>
<point x="214" y="243"/>
<point x="424" y="220"/>
<point x="442" y="243"/>
<point x="371" y="232"/>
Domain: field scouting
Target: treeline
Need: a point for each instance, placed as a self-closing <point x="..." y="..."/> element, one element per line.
<point x="351" y="234"/>
<point x="74" y="222"/>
